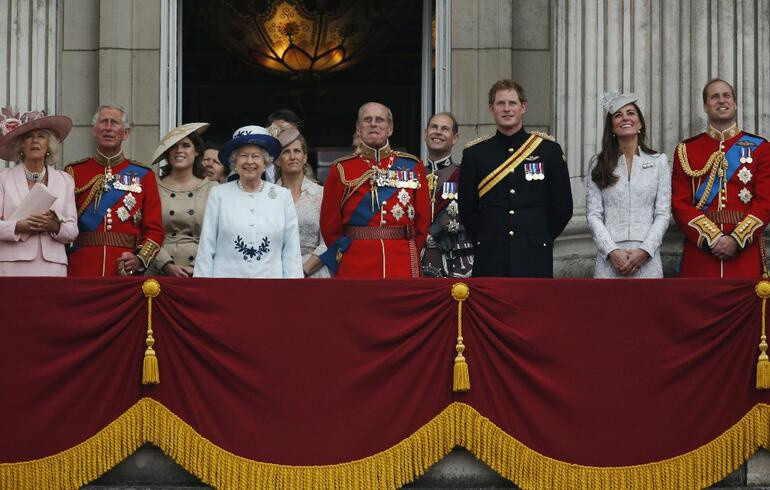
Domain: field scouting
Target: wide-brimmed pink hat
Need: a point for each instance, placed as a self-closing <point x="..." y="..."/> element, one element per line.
<point x="14" y="125"/>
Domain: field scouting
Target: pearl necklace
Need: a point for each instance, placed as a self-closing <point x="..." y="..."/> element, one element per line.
<point x="35" y="176"/>
<point x="258" y="189"/>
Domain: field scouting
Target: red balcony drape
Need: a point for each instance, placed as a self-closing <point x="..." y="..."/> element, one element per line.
<point x="332" y="382"/>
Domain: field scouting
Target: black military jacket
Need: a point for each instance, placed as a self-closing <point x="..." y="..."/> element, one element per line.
<point x="514" y="225"/>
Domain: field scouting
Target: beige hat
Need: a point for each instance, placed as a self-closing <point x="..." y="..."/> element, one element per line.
<point x="175" y="136"/>
<point x="14" y="125"/>
<point x="287" y="136"/>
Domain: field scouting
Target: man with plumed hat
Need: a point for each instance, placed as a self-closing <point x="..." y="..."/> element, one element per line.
<point x="515" y="195"/>
<point x="720" y="192"/>
<point x="375" y="210"/>
<point x="119" y="210"/>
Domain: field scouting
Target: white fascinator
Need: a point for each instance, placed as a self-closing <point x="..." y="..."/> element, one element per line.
<point x="612" y="101"/>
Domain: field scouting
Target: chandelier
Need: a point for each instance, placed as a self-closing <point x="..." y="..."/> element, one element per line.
<point x="299" y="38"/>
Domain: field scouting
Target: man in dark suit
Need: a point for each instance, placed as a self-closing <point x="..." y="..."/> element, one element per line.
<point x="514" y="195"/>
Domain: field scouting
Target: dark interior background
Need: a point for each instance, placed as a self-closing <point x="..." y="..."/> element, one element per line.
<point x="220" y="89"/>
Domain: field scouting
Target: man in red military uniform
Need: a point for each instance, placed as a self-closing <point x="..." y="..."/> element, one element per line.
<point x="375" y="211"/>
<point x="119" y="211"/>
<point x="721" y="193"/>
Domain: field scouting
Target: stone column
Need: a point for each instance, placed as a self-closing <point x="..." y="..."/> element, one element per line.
<point x="28" y="54"/>
<point x="481" y="54"/>
<point x="111" y="54"/>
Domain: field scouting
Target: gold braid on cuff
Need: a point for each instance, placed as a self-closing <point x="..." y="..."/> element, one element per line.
<point x="148" y="252"/>
<point x="706" y="228"/>
<point x="745" y="229"/>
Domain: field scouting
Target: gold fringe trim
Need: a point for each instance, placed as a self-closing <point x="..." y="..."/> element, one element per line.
<point x="457" y="425"/>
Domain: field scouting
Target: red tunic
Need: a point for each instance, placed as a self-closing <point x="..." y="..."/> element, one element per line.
<point x="349" y="187"/>
<point x="138" y="230"/>
<point x="741" y="209"/>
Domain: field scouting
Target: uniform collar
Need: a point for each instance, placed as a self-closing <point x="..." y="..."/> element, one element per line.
<point x="515" y="139"/>
<point x="440" y="163"/>
<point x="375" y="154"/>
<point x="725" y="135"/>
<point x="109" y="161"/>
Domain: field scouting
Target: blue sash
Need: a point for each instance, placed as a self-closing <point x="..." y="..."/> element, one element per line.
<point x="363" y="214"/>
<point x="733" y="157"/>
<point x="92" y="216"/>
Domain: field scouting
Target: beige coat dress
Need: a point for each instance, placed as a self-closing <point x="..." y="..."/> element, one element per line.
<point x="182" y="220"/>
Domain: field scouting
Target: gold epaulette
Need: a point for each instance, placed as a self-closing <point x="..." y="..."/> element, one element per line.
<point x="706" y="229"/>
<point x="69" y="166"/>
<point x="404" y="154"/>
<point x="543" y="135"/>
<point x="344" y="158"/>
<point x="78" y="162"/>
<point x="478" y="140"/>
<point x="139" y="163"/>
<point x="745" y="229"/>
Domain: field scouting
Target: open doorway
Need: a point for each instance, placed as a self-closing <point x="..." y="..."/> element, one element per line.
<point x="219" y="87"/>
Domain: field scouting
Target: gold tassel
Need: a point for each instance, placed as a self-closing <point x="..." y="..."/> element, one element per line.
<point x="461" y="378"/>
<point x="150" y="370"/>
<point x="763" y="363"/>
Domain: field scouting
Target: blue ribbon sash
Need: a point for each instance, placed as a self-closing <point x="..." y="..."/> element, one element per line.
<point x="733" y="157"/>
<point x="92" y="216"/>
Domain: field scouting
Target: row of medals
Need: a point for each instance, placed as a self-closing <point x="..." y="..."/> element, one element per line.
<point x="746" y="156"/>
<point x="406" y="179"/>
<point x="534" y="171"/>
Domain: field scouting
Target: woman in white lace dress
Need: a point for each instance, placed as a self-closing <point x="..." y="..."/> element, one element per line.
<point x="295" y="174"/>
<point x="628" y="195"/>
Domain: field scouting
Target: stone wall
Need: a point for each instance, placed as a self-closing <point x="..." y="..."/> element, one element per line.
<point x="110" y="54"/>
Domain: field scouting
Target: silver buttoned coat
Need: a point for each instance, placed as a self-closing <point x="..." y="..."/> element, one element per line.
<point x="632" y="213"/>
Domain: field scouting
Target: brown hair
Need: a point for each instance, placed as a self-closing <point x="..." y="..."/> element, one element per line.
<point x="197" y="169"/>
<point x="506" y="84"/>
<point x="713" y="81"/>
<point x="307" y="170"/>
<point x="603" y="174"/>
<point x="455" y="126"/>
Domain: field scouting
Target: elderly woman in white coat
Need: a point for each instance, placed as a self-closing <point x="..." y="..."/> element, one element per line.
<point x="250" y="226"/>
<point x="628" y="195"/>
<point x="34" y="244"/>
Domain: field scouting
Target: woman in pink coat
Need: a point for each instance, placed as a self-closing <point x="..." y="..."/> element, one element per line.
<point x="34" y="245"/>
